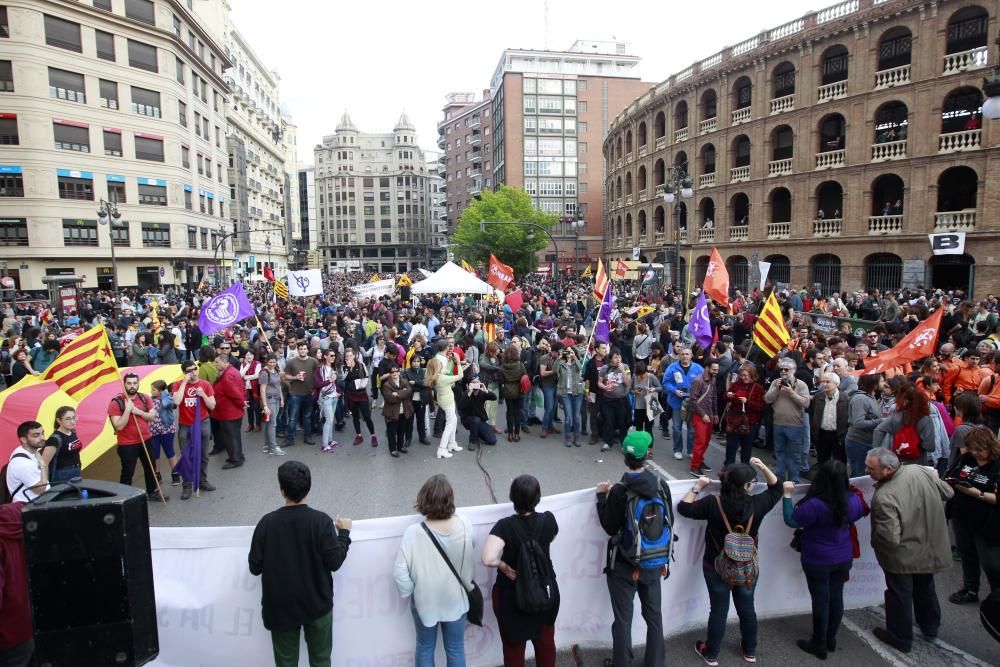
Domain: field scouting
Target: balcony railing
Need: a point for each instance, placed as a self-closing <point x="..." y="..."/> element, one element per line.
<point x="831" y="91"/>
<point x="779" y="230"/>
<point x="706" y="180"/>
<point x="955" y="221"/>
<point x="739" y="174"/>
<point x="741" y="116"/>
<point x="706" y="235"/>
<point x="658" y="190"/>
<point x="683" y="235"/>
<point x="830" y="159"/>
<point x="890" y="150"/>
<point x="660" y="144"/>
<point x="739" y="233"/>
<point x="781" y="104"/>
<point x="779" y="167"/>
<point x="628" y="157"/>
<point x="887" y="78"/>
<point x="643" y="150"/>
<point x="476" y="139"/>
<point x="708" y="125"/>
<point x="658" y="238"/>
<point x="966" y="60"/>
<point x="680" y="134"/>
<point x="619" y="163"/>
<point x="642" y="194"/>
<point x="828" y="227"/>
<point x="966" y="140"/>
<point x="885" y="224"/>
<point x="618" y="203"/>
<point x="628" y="200"/>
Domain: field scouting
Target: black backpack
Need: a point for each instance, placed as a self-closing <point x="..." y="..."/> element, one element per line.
<point x="5" y="495"/>
<point x="535" y="588"/>
<point x="146" y="403"/>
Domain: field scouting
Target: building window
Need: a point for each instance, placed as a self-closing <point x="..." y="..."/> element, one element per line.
<point x="116" y="192"/>
<point x="387" y="238"/>
<point x="8" y="131"/>
<point x="79" y="232"/>
<point x="4" y="26"/>
<point x="71" y="137"/>
<point x="14" y="231"/>
<point x="182" y="114"/>
<point x="179" y="66"/>
<point x="185" y="157"/>
<point x="105" y="45"/>
<point x="153" y="195"/>
<point x="140" y="10"/>
<point x="11" y="185"/>
<point x="6" y="76"/>
<point x="63" y="34"/>
<point x="113" y="144"/>
<point x="76" y="188"/>
<point x="120" y="235"/>
<point x="187" y="200"/>
<point x="145" y="102"/>
<point x="109" y="94"/>
<point x="142" y="56"/>
<point x="369" y="238"/>
<point x="148" y="149"/>
<point x="192" y="236"/>
<point x="103" y="4"/>
<point x="204" y="239"/>
<point x="155" y="235"/>
<point x="65" y="85"/>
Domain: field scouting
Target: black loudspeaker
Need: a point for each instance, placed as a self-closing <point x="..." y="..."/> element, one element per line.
<point x="90" y="574"/>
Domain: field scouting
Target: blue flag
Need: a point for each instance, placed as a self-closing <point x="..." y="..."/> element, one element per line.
<point x="189" y="465"/>
<point x="700" y="327"/>
<point x="225" y="309"/>
<point x="602" y="329"/>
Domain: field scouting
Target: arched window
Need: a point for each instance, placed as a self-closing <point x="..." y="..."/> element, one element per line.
<point x="707" y="159"/>
<point x="891" y="122"/>
<point x="783" y="80"/>
<point x="740" y="207"/>
<point x="660" y="125"/>
<point x="659" y="221"/>
<point x="629" y="236"/>
<point x="739" y="273"/>
<point x="618" y="188"/>
<point x="781" y="205"/>
<point x="620" y="231"/>
<point x="781" y="269"/>
<point x="962" y="110"/>
<point x="967" y="30"/>
<point x="628" y="183"/>
<point x="700" y="269"/>
<point x="883" y="272"/>
<point x="834" y="65"/>
<point x="825" y="270"/>
<point x="643" y="228"/>
<point x="706" y="211"/>
<point x="829" y="200"/>
<point x="681" y="115"/>
<point x="641" y="178"/>
<point x="957" y="189"/>
<point x="682" y="214"/>
<point x="741" y="151"/>
<point x="681" y="160"/>
<point x="782" y="142"/>
<point x="618" y="149"/>
<point x="709" y="104"/>
<point x="894" y="48"/>
<point x="742" y="93"/>
<point x="642" y="134"/>
<point x="832" y="133"/>
<point x="628" y="142"/>
<point x="887" y="195"/>
<point x="952" y="272"/>
<point x="658" y="173"/>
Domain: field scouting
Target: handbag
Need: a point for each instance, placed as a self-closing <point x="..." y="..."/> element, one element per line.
<point x="475" y="615"/>
<point x="653" y="407"/>
<point x="737" y="423"/>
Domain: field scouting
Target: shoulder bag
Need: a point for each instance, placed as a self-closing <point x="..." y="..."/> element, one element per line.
<point x="475" y="615"/>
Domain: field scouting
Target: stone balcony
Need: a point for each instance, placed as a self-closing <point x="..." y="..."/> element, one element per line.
<point x="779" y="230"/>
<point x="955" y="221"/>
<point x="680" y="134"/>
<point x="628" y="157"/>
<point x="661" y="143"/>
<point x="739" y="174"/>
<point x="739" y="233"/>
<point x="955" y="63"/>
<point x="708" y="125"/>
<point x="890" y="150"/>
<point x="706" y="235"/>
<point x="706" y="180"/>
<point x="642" y="194"/>
<point x="628" y="200"/>
<point x="779" y="167"/>
<point x="658" y="191"/>
<point x="741" y="116"/>
<point x="782" y="104"/>
<point x="966" y="140"/>
<point x="830" y="159"/>
<point x="888" y="78"/>
<point x="831" y="91"/>
<point x="828" y="227"/>
<point x="885" y="224"/>
<point x="643" y="150"/>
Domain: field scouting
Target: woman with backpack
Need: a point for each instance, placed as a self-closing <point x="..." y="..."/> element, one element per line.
<point x="825" y="517"/>
<point x="62" y="449"/>
<point x="908" y="431"/>
<point x="730" y="560"/>
<point x="516" y="546"/>
<point x="511" y="371"/>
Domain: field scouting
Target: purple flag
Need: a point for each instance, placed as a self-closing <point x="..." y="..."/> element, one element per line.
<point x="225" y="309"/>
<point x="700" y="327"/>
<point x="602" y="328"/>
<point x="189" y="465"/>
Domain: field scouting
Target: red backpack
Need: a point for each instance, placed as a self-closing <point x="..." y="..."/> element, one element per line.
<point x="906" y="443"/>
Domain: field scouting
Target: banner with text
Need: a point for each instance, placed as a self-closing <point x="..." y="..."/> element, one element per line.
<point x="208" y="603"/>
<point x="374" y="290"/>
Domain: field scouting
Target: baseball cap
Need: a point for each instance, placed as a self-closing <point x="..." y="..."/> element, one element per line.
<point x="637" y="443"/>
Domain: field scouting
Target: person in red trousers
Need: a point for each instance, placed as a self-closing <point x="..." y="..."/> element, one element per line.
<point x="704" y="414"/>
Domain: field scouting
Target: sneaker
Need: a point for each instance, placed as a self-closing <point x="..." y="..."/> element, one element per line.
<point x="277" y="451"/>
<point x="154" y="497"/>
<point x="175" y="479"/>
<point x="963" y="596"/>
<point x="265" y="450"/>
<point x="207" y="486"/>
<point x="699" y="648"/>
<point x="605" y="447"/>
<point x="752" y="659"/>
<point x="185" y="493"/>
<point x="706" y="467"/>
<point x="678" y="456"/>
<point x="697" y="472"/>
<point x="374" y="441"/>
<point x="358" y="440"/>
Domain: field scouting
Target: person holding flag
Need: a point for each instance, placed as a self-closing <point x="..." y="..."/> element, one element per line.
<point x="130" y="413"/>
<point x="194" y="398"/>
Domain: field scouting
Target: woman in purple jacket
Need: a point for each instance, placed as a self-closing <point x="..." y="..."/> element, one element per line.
<point x="824" y="516"/>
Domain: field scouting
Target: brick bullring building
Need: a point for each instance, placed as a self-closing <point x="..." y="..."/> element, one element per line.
<point x="830" y="146"/>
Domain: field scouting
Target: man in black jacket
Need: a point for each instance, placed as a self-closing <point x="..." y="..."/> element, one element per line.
<point x="472" y="395"/>
<point x="296" y="548"/>
<point x="624" y="578"/>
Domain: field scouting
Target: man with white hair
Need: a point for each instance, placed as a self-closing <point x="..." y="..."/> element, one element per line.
<point x="789" y="397"/>
<point x="848" y="383"/>
<point x="829" y="421"/>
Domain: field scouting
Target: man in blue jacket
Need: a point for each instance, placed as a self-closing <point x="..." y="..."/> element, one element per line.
<point x="677" y="385"/>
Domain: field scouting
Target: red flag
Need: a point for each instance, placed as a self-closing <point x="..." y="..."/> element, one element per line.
<point x="501" y="275"/>
<point x="269" y="273"/>
<point x="918" y="344"/>
<point x="620" y="268"/>
<point x="716" y="283"/>
<point x="515" y="300"/>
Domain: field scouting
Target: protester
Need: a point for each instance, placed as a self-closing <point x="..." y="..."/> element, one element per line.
<point x="414" y="376"/>
<point x="62" y="449"/>
<point x="272" y="401"/>
<point x="677" y="385"/>
<point x="863" y="414"/>
<point x="250" y="372"/>
<point x="473" y="397"/>
<point x="744" y="414"/>
<point x="614" y="380"/>
<point x="908" y="430"/>
<point x="357" y="379"/>
<point x="130" y="414"/>
<point x="397" y="409"/>
<point x="830" y="420"/>
<point x="732" y="508"/>
<point x="704" y="415"/>
<point x="230" y="400"/>
<point x="294" y="550"/>
<point x="27" y="469"/>
<point x="428" y="552"/>
<point x="502" y="550"/>
<point x="17" y="645"/>
<point x="299" y="373"/>
<point x="163" y="428"/>
<point x="442" y="382"/>
<point x="569" y="391"/>
<point x="789" y="397"/>
<point x="511" y="371"/>
<point x="193" y="396"/>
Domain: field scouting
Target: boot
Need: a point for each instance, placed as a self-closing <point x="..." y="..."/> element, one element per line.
<point x="443" y="453"/>
<point x="453" y="447"/>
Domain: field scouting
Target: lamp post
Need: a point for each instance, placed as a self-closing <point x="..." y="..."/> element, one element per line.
<point x="677" y="183"/>
<point x="533" y="226"/>
<point x="109" y="215"/>
<point x="991" y="88"/>
<point x="575" y="226"/>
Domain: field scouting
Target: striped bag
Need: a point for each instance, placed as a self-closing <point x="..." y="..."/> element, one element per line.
<point x="737" y="562"/>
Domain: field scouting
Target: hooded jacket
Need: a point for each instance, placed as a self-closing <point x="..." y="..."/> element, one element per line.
<point x="15" y="608"/>
<point x="612" y="506"/>
<point x="863" y="415"/>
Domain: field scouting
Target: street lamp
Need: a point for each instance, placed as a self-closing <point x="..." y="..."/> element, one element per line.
<point x="677" y="183"/>
<point x="575" y="226"/>
<point x="109" y="214"/>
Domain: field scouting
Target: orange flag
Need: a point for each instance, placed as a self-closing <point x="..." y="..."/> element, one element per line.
<point x="918" y="344"/>
<point x="716" y="283"/>
<point x="501" y="275"/>
<point x="620" y="268"/>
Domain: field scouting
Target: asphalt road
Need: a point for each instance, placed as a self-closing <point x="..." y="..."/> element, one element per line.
<point x="365" y="482"/>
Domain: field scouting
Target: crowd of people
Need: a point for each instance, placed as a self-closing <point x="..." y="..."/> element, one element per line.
<point x="429" y="366"/>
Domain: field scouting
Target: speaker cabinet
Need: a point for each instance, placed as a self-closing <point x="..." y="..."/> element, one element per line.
<point x="90" y="574"/>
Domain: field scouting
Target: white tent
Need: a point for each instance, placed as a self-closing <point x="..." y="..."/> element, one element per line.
<point x="453" y="279"/>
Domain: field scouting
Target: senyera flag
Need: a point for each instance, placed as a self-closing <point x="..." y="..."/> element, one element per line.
<point x="501" y="275"/>
<point x="84" y="364"/>
<point x="716" y="283"/>
<point x="918" y="344"/>
<point x="225" y="309"/>
<point x="600" y="281"/>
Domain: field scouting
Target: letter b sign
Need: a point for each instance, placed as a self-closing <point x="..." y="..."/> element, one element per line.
<point x="952" y="243"/>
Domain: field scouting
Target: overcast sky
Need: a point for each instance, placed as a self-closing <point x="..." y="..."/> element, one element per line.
<point x="377" y="58"/>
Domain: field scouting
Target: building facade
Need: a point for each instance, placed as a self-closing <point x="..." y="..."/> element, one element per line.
<point x="830" y="146"/>
<point x="437" y="214"/>
<point x="306" y="243"/>
<point x="372" y="200"/>
<point x="114" y="100"/>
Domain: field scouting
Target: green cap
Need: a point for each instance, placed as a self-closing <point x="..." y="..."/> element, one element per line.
<point x="637" y="443"/>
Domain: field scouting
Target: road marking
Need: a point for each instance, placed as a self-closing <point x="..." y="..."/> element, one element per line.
<point x="938" y="645"/>
<point x="884" y="651"/>
<point x="923" y="653"/>
<point x="660" y="470"/>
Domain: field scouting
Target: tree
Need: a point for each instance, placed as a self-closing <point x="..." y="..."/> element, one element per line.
<point x="512" y="244"/>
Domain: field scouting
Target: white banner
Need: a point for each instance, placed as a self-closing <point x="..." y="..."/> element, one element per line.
<point x="765" y="268"/>
<point x="208" y="604"/>
<point x="375" y="289"/>
<point x="949" y="243"/>
<point x="305" y="283"/>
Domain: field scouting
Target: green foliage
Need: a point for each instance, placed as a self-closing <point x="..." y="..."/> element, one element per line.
<point x="510" y="243"/>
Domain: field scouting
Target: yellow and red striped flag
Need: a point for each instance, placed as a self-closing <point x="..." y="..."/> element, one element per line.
<point x="770" y="333"/>
<point x="281" y="289"/>
<point x="468" y="267"/>
<point x="600" y="281"/>
<point x="84" y="365"/>
<point x="587" y="272"/>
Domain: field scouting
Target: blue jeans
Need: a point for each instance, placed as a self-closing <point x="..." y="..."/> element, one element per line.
<point x="328" y="404"/>
<point x="571" y="414"/>
<point x="453" y="634"/>
<point x="549" y="406"/>
<point x="677" y="425"/>
<point x="788" y="452"/>
<point x="528" y="406"/>
<point x="806" y="442"/>
<point x="856" y="453"/>
<point x="718" y="595"/>
<point x="299" y="405"/>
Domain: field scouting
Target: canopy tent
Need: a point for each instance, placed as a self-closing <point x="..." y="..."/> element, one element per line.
<point x="453" y="279"/>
